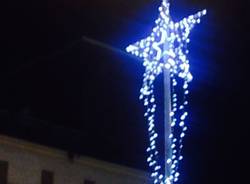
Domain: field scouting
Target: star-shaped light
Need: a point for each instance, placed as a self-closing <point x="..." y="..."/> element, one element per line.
<point x="166" y="48"/>
<point x="168" y="40"/>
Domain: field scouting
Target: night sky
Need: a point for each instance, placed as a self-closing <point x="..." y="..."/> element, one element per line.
<point x="61" y="91"/>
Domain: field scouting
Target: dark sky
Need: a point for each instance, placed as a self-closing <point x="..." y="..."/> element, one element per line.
<point x="60" y="91"/>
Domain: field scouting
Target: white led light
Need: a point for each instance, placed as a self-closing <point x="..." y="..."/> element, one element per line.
<point x="177" y="175"/>
<point x="182" y="123"/>
<point x="185" y="129"/>
<point x="169" y="161"/>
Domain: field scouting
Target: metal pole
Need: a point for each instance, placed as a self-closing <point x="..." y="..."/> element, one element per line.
<point x="167" y="117"/>
<point x="167" y="120"/>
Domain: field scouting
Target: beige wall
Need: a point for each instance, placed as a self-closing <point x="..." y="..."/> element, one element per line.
<point x="26" y="161"/>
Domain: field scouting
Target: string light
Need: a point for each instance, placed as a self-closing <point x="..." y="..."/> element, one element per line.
<point x="166" y="48"/>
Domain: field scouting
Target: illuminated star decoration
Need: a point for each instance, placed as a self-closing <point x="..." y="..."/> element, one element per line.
<point x="166" y="48"/>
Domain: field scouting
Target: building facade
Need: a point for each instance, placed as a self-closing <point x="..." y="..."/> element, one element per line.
<point x="22" y="162"/>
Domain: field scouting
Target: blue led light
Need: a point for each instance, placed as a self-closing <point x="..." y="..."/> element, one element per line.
<point x="159" y="51"/>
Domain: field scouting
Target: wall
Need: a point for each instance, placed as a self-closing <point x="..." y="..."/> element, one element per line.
<point x="27" y="160"/>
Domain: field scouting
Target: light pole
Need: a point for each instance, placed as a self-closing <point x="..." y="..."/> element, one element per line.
<point x="165" y="51"/>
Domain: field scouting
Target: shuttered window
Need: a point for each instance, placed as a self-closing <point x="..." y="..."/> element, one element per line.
<point x="47" y="177"/>
<point x="3" y="172"/>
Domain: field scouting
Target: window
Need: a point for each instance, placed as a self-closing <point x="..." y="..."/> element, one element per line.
<point x="47" y="177"/>
<point x="89" y="182"/>
<point x="3" y="172"/>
